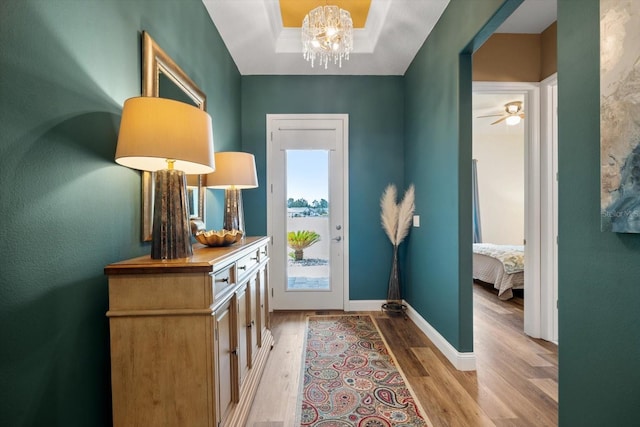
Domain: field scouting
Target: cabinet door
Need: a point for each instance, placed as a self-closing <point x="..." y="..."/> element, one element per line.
<point x="252" y="319"/>
<point x="263" y="302"/>
<point x="226" y="361"/>
<point x="243" y="332"/>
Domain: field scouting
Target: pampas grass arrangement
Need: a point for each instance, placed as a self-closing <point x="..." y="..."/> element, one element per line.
<point x="396" y="219"/>
<point x="389" y="212"/>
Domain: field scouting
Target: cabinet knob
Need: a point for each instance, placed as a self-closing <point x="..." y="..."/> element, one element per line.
<point x="225" y="280"/>
<point x="254" y="258"/>
<point x="235" y="351"/>
<point x="242" y="267"/>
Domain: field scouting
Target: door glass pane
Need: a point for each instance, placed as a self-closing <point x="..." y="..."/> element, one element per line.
<point x="308" y="235"/>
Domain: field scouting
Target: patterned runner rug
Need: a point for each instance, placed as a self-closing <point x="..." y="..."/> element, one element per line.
<point x="352" y="379"/>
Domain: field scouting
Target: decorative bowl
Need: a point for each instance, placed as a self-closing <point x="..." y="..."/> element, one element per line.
<point x="219" y="237"/>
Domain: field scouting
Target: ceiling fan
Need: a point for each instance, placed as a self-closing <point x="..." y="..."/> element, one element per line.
<point x="513" y="113"/>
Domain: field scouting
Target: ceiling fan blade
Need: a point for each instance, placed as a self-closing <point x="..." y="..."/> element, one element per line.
<point x="490" y="115"/>
<point x="500" y="120"/>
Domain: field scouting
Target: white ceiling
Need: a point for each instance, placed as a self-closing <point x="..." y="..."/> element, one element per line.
<point x="252" y="31"/>
<point x="532" y="17"/>
<point x="493" y="103"/>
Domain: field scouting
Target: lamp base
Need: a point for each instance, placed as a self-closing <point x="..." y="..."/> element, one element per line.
<point x="233" y="211"/>
<point x="171" y="236"/>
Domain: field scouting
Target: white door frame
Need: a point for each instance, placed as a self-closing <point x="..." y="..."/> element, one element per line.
<point x="549" y="208"/>
<point x="345" y="192"/>
<point x="533" y="303"/>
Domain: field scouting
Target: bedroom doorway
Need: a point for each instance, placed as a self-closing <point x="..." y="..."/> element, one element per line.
<point x="499" y="142"/>
<point x="537" y="217"/>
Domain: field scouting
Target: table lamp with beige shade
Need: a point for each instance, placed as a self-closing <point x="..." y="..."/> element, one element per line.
<point x="172" y="139"/>
<point x="234" y="172"/>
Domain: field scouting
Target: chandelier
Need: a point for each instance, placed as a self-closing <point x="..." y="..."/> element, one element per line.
<point x="327" y="33"/>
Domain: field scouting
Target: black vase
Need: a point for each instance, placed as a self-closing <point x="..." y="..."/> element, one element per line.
<point x="393" y="292"/>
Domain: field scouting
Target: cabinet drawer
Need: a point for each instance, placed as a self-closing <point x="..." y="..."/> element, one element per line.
<point x="246" y="264"/>
<point x="222" y="281"/>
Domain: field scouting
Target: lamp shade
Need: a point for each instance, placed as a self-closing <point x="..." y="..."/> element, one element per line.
<point x="233" y="169"/>
<point x="154" y="130"/>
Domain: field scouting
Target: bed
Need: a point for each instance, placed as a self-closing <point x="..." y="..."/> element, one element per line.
<point x="500" y="265"/>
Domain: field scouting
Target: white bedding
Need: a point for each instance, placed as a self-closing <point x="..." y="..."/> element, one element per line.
<point x="511" y="256"/>
<point x="493" y="269"/>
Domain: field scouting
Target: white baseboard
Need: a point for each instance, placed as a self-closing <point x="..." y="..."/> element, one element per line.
<point x="461" y="361"/>
<point x="365" y="305"/>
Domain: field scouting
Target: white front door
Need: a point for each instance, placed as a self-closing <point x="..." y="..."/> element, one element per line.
<point x="307" y="208"/>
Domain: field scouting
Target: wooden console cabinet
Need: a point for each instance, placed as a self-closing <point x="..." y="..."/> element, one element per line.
<point x="189" y="337"/>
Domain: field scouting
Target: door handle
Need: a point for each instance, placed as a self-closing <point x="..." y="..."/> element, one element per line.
<point x="337" y="239"/>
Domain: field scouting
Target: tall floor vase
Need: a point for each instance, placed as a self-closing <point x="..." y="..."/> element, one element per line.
<point x="394" y="299"/>
<point x="393" y="291"/>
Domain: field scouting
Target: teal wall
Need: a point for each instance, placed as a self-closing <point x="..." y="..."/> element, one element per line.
<point x="438" y="160"/>
<point x="375" y="108"/>
<point x="67" y="209"/>
<point x="599" y="272"/>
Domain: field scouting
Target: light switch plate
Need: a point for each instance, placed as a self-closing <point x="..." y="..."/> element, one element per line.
<point x="416" y="220"/>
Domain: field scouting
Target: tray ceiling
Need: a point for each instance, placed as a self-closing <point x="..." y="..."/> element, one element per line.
<point x="393" y="32"/>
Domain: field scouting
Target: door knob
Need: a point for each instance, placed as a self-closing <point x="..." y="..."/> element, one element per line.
<point x="338" y="227"/>
<point x="337" y="239"/>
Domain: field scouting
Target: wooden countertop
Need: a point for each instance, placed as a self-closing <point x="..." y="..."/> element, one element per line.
<point x="204" y="259"/>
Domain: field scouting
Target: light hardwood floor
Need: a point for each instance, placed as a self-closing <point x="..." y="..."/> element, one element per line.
<point x="515" y="383"/>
